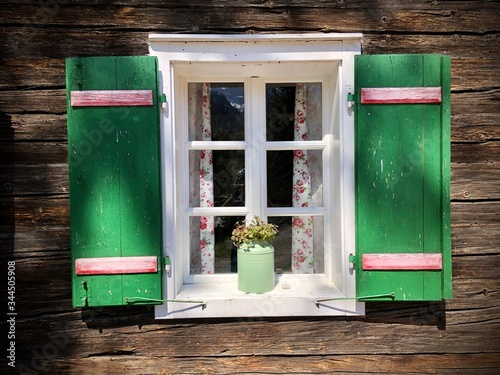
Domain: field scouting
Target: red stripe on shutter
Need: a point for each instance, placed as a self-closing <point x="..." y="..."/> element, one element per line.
<point x="111" y="98"/>
<point x="402" y="261"/>
<point x="401" y="95"/>
<point x="116" y="265"/>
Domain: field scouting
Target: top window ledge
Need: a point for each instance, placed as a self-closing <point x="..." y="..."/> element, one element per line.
<point x="253" y="37"/>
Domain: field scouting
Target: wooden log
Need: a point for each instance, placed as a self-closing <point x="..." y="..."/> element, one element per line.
<point x="258" y="337"/>
<point x="41" y="72"/>
<point x="33" y="127"/>
<point x="33" y="153"/>
<point x="474" y="114"/>
<point x="472" y="153"/>
<point x="306" y="15"/>
<point x="475" y="225"/>
<point x="33" y="211"/>
<point x="475" y="181"/>
<point x="40" y="42"/>
<point x="467" y="73"/>
<point x="33" y="101"/>
<point x="128" y="361"/>
<point x="40" y="169"/>
<point x="34" y="179"/>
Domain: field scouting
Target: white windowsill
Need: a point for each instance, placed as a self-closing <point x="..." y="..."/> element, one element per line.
<point x="292" y="296"/>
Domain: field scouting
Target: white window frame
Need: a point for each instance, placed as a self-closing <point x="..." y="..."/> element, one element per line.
<point x="176" y="56"/>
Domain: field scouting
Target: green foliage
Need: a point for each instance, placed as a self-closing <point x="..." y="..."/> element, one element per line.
<point x="255" y="230"/>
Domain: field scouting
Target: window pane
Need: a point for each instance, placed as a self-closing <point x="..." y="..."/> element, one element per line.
<point x="216" y="111"/>
<point x="211" y="248"/>
<point x="295" y="178"/>
<point x="299" y="245"/>
<point x="293" y="112"/>
<point x="216" y="178"/>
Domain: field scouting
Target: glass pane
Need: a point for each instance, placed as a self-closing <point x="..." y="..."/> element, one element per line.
<point x="299" y="245"/>
<point x="293" y="112"/>
<point x="216" y="111"/>
<point x="216" y="178"/>
<point x="211" y="248"/>
<point x="295" y="178"/>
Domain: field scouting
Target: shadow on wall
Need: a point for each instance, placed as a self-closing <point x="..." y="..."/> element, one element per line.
<point x="430" y="314"/>
<point x="7" y="224"/>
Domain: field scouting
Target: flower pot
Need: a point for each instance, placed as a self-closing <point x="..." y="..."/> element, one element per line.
<point x="256" y="267"/>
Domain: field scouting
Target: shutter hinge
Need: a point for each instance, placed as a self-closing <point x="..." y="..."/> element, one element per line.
<point x="351" y="99"/>
<point x="167" y="264"/>
<point x="353" y="259"/>
<point x="163" y="101"/>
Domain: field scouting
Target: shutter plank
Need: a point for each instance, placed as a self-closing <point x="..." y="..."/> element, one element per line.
<point x="116" y="265"/>
<point x="402" y="262"/>
<point x="400" y="177"/>
<point x="112" y="213"/>
<point x="103" y="98"/>
<point x="403" y="95"/>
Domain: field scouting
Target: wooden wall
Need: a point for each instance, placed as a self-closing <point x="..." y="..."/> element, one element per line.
<point x="459" y="336"/>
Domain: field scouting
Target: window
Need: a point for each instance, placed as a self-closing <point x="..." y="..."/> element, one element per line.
<point x="258" y="128"/>
<point x="349" y="154"/>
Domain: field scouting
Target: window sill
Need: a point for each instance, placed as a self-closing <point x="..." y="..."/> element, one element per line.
<point x="292" y="296"/>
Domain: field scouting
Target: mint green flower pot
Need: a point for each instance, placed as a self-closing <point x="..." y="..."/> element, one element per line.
<point x="256" y="267"/>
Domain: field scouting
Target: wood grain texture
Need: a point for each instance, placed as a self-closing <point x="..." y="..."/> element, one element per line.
<point x="458" y="336"/>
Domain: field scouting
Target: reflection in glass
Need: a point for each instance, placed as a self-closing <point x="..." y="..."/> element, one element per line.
<point x="219" y="256"/>
<point x="286" y="103"/>
<point x="222" y="105"/>
<point x="228" y="169"/>
<point x="293" y="182"/>
<point x="299" y="246"/>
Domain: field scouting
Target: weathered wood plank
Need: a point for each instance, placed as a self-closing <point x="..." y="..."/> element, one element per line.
<point x="475" y="180"/>
<point x="241" y="15"/>
<point x="41" y="72"/>
<point x="40" y="169"/>
<point x="467" y="73"/>
<point x="33" y="101"/>
<point x="45" y="42"/>
<point x="459" y="46"/>
<point x="33" y="127"/>
<point x="475" y="227"/>
<point x="33" y="211"/>
<point x="469" y="181"/>
<point x="32" y="241"/>
<point x="34" y="179"/>
<point x="33" y="153"/>
<point x="474" y="114"/>
<point x="472" y="153"/>
<point x="476" y="284"/>
<point x="128" y="362"/>
<point x="259" y="337"/>
<point x="473" y="294"/>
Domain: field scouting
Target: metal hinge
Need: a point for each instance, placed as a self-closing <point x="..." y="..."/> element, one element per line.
<point x="163" y="101"/>
<point x="351" y="99"/>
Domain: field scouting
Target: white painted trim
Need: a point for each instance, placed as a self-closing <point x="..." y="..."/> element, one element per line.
<point x="181" y="51"/>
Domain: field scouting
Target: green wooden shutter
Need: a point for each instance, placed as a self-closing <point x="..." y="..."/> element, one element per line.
<point x="402" y="135"/>
<point x="114" y="178"/>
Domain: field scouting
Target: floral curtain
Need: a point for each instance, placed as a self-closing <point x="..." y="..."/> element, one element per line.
<point x="306" y="181"/>
<point x="201" y="184"/>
